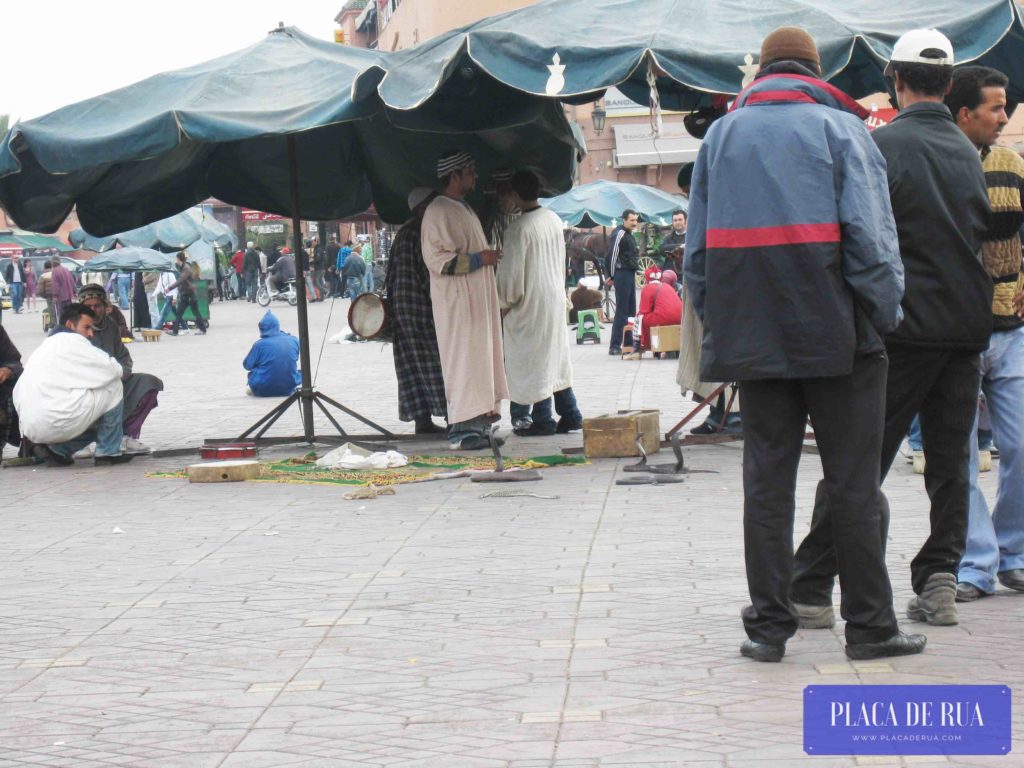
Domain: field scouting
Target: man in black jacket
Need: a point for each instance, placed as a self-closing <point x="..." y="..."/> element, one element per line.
<point x="15" y="277"/>
<point x="675" y="241"/>
<point x="622" y="264"/>
<point x="940" y="203"/>
<point x="251" y="267"/>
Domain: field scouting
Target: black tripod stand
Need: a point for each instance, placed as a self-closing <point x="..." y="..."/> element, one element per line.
<point x="306" y="396"/>
<point x="306" y="399"/>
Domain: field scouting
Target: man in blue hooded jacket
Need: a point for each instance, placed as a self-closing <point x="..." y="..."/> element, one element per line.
<point x="792" y="263"/>
<point x="272" y="362"/>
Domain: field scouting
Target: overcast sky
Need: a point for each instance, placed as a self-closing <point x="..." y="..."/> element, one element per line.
<point x="56" y="52"/>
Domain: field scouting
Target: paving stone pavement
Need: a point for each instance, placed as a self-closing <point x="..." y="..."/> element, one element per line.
<point x="279" y="625"/>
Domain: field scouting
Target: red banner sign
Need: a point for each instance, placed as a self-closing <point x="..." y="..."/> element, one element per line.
<point x="880" y="117"/>
<point x="251" y="215"/>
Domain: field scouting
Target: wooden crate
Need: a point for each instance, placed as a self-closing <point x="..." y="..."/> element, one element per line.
<point x="665" y="338"/>
<point x="613" y="435"/>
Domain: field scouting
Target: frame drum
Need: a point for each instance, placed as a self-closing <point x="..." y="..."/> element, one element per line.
<point x="369" y="317"/>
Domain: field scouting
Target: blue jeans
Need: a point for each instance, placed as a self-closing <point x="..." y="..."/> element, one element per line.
<point x="106" y="433"/>
<point x="914" y="435"/>
<point x="165" y="314"/>
<point x="540" y="412"/>
<point x="354" y="284"/>
<point x="625" y="304"/>
<point x="368" y="279"/>
<point x="17" y="296"/>
<point x="459" y="431"/>
<point x="995" y="543"/>
<point x="124" y="283"/>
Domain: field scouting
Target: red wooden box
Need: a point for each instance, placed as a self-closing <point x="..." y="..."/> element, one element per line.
<point x="228" y="451"/>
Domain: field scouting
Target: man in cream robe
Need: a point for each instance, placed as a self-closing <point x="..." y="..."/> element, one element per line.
<point x="531" y="292"/>
<point x="465" y="306"/>
<point x="70" y="394"/>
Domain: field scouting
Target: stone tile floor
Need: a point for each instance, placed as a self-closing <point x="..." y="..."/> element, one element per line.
<point x="280" y="625"/>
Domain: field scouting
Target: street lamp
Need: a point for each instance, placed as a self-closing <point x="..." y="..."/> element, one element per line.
<point x="598" y="116"/>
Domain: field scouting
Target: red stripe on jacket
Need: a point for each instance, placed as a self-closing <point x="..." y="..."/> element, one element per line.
<point x="790" y="234"/>
<point x="766" y="96"/>
<point x="842" y="98"/>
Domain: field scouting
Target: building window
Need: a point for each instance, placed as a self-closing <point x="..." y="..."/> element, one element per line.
<point x="387" y="8"/>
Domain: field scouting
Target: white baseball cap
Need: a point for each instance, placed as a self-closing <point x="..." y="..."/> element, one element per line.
<point x="910" y="47"/>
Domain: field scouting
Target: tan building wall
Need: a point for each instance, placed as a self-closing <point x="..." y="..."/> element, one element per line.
<point x="346" y="20"/>
<point x="414" y="21"/>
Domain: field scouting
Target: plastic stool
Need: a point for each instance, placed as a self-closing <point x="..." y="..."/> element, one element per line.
<point x="588" y="326"/>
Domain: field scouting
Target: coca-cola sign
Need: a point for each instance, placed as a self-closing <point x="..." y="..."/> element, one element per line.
<point x="250" y="215"/>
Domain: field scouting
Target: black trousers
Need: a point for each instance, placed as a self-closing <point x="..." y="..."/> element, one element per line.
<point x="185" y="301"/>
<point x="624" y="281"/>
<point x="941" y="385"/>
<point x="847" y="412"/>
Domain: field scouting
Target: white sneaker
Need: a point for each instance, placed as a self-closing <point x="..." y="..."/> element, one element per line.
<point x="86" y="453"/>
<point x="919" y="463"/>
<point x="984" y="461"/>
<point x="131" y="445"/>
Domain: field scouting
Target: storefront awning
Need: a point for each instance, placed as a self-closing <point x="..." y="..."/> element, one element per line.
<point x="635" y="145"/>
<point x="32" y="242"/>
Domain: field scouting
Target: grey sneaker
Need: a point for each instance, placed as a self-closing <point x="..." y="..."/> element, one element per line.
<point x="937" y="602"/>
<point x="1014" y="579"/>
<point x="968" y="593"/>
<point x="814" y="616"/>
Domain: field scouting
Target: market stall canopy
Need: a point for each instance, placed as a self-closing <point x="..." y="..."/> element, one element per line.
<point x="601" y="203"/>
<point x="130" y="259"/>
<point x="150" y="150"/>
<point x="170" y="234"/>
<point x="28" y="241"/>
<point x="575" y="49"/>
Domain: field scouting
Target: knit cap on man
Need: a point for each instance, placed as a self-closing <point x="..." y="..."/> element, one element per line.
<point x="787" y="43"/>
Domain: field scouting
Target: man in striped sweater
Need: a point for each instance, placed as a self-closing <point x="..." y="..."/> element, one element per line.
<point x="995" y="542"/>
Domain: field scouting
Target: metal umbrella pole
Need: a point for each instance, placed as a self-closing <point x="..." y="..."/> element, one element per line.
<point x="306" y="396"/>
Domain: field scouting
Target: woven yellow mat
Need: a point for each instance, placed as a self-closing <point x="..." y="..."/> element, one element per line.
<point x="304" y="471"/>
